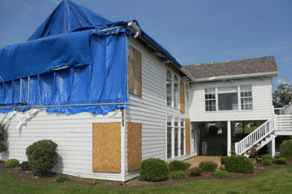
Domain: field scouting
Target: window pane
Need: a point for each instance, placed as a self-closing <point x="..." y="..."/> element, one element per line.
<point x="169" y="121"/>
<point x="169" y="153"/>
<point x="175" y="93"/>
<point x="176" y="142"/>
<point x="176" y="122"/>
<point x="182" y="141"/>
<point x="210" y="105"/>
<point x="168" y="88"/>
<point x="228" y="101"/>
<point x="246" y="103"/>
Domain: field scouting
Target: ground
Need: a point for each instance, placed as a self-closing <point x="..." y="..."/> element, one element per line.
<point x="132" y="184"/>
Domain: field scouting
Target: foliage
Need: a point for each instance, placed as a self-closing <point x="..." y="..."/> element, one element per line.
<point x="178" y="174"/>
<point x="154" y="170"/>
<point x="208" y="166"/>
<point x="61" y="179"/>
<point x="177" y="165"/>
<point x="42" y="156"/>
<point x="221" y="173"/>
<point x="196" y="171"/>
<point x="258" y="160"/>
<point x="24" y="166"/>
<point x="188" y="165"/>
<point x="253" y="151"/>
<point x="222" y="167"/>
<point x="12" y="163"/>
<point x="283" y="95"/>
<point x="96" y="182"/>
<point x="267" y="157"/>
<point x="286" y="148"/>
<point x="240" y="164"/>
<point x="281" y="160"/>
<point x="2" y="146"/>
<point x="267" y="162"/>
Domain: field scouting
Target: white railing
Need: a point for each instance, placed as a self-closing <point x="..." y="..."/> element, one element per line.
<point x="256" y="136"/>
<point x="287" y="109"/>
<point x="284" y="122"/>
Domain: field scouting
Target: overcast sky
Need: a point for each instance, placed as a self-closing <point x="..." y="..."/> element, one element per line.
<point x="193" y="31"/>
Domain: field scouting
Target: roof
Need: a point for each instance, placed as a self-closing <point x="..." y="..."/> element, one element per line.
<point x="237" y="68"/>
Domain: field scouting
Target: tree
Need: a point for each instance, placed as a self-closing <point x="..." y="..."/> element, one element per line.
<point x="283" y="95"/>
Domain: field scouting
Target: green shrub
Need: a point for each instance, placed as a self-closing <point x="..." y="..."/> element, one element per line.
<point x="267" y="157"/>
<point x="196" y="172"/>
<point x="281" y="160"/>
<point x="96" y="182"/>
<point x="24" y="166"/>
<point x="42" y="156"/>
<point x="239" y="163"/>
<point x="177" y="165"/>
<point x="12" y="163"/>
<point x="221" y="173"/>
<point x="208" y="166"/>
<point x="178" y="174"/>
<point x="286" y="148"/>
<point x="62" y="179"/>
<point x="267" y="162"/>
<point x="154" y="170"/>
<point x="188" y="165"/>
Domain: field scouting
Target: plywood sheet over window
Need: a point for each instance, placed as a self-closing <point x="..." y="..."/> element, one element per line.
<point x="135" y="72"/>
<point x="182" y="98"/>
<point x="188" y="136"/>
<point x="106" y="146"/>
<point x="134" y="146"/>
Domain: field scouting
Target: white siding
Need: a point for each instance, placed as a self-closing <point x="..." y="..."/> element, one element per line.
<point x="151" y="109"/>
<point x="262" y="101"/>
<point x="72" y="134"/>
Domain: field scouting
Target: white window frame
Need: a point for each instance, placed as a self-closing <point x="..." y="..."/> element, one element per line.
<point x="211" y="99"/>
<point x="175" y="92"/>
<point x="187" y="97"/>
<point x="242" y="90"/>
<point x="171" y="90"/>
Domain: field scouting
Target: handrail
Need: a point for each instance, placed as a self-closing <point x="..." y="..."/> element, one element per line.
<point x="256" y="136"/>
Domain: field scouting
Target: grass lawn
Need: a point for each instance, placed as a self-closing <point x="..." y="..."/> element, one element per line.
<point x="248" y="129"/>
<point x="274" y="181"/>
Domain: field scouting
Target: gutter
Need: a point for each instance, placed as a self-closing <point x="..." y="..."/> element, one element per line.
<point x="228" y="77"/>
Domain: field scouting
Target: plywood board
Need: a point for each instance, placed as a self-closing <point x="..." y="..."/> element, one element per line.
<point x="106" y="147"/>
<point x="134" y="146"/>
<point x="188" y="136"/>
<point x="135" y="72"/>
<point x="182" y="98"/>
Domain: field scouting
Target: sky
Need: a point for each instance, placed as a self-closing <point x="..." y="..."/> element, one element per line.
<point x="193" y="31"/>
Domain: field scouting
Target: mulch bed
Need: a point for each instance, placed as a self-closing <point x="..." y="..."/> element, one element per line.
<point x="27" y="176"/>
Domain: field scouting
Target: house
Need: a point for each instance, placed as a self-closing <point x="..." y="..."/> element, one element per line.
<point x="110" y="96"/>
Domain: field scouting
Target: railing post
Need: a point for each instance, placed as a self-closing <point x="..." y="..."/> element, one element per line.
<point x="275" y="122"/>
<point x="236" y="148"/>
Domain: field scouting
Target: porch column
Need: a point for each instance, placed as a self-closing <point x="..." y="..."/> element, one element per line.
<point x="228" y="138"/>
<point x="272" y="147"/>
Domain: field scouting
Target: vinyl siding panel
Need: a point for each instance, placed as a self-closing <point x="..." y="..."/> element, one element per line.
<point x="262" y="101"/>
<point x="73" y="135"/>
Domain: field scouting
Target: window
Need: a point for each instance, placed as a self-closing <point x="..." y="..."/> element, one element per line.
<point x="210" y="99"/>
<point x="182" y="97"/>
<point x="175" y="94"/>
<point x="135" y="72"/>
<point x="246" y="97"/>
<point x="182" y="137"/>
<point x="187" y="97"/>
<point x="176" y="128"/>
<point x="227" y="98"/>
<point x="168" y="88"/>
<point x="169" y="137"/>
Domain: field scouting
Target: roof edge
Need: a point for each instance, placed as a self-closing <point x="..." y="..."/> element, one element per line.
<point x="238" y="76"/>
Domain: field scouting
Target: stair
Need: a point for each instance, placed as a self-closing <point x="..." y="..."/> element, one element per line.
<point x="261" y="144"/>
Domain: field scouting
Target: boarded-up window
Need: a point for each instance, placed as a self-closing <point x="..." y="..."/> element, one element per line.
<point x="135" y="72"/>
<point x="182" y="97"/>
<point x="188" y="136"/>
<point x="106" y="147"/>
<point x="134" y="146"/>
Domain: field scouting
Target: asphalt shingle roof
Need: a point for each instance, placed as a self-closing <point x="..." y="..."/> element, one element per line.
<point x="237" y="67"/>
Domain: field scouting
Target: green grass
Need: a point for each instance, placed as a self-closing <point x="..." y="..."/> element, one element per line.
<point x="247" y="129"/>
<point x="274" y="181"/>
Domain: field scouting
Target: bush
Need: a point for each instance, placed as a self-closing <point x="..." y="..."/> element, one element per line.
<point x="208" y="166"/>
<point x="178" y="174"/>
<point x="286" y="149"/>
<point x="196" y="172"/>
<point x="42" y="156"/>
<point x="12" y="163"/>
<point x="154" y="170"/>
<point x="188" y="165"/>
<point x="267" y="162"/>
<point x="177" y="165"/>
<point x="96" y="182"/>
<point x="221" y="173"/>
<point x="2" y="146"/>
<point x="239" y="163"/>
<point x="24" y="166"/>
<point x="267" y="157"/>
<point x="62" y="179"/>
<point x="281" y="160"/>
